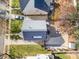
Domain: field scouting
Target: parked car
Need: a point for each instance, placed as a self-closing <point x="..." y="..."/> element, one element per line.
<point x="2" y="12"/>
<point x="19" y="17"/>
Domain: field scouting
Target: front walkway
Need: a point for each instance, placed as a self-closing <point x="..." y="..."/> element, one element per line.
<point x="18" y="42"/>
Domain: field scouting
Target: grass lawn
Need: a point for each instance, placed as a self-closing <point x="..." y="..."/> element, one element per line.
<point x="62" y="56"/>
<point x="26" y="50"/>
<point x="15" y="4"/>
<point x="16" y="26"/>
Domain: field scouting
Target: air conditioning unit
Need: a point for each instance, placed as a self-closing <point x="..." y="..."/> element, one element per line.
<point x="51" y="6"/>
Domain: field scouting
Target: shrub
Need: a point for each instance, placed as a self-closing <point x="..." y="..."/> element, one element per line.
<point x="16" y="26"/>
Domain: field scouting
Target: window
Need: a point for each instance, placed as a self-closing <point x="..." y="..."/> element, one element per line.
<point x="37" y="36"/>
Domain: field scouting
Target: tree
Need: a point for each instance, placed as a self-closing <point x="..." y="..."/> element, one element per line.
<point x="76" y="32"/>
<point x="78" y="6"/>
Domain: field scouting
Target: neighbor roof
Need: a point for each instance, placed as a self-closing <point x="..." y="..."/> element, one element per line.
<point x="23" y="4"/>
<point x="34" y="25"/>
<point x="35" y="5"/>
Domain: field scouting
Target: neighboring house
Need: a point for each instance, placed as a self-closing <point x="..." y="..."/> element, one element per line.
<point x="34" y="29"/>
<point x="35" y="7"/>
<point x="41" y="57"/>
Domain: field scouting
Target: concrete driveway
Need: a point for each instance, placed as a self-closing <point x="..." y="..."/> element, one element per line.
<point x="56" y="39"/>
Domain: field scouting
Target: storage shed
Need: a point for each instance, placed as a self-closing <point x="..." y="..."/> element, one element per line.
<point x="32" y="7"/>
<point x="34" y="29"/>
<point x="72" y="45"/>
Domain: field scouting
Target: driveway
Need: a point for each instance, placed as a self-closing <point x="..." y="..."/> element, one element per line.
<point x="56" y="38"/>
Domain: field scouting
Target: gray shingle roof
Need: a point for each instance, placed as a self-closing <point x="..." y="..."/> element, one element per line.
<point x="55" y="41"/>
<point x="23" y="4"/>
<point x="40" y="4"/>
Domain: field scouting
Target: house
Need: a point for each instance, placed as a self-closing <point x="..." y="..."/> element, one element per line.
<point x="34" y="29"/>
<point x="35" y="7"/>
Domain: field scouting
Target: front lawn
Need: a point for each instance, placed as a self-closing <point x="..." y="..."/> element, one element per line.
<point x="15" y="4"/>
<point x="19" y="51"/>
<point x="16" y="26"/>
